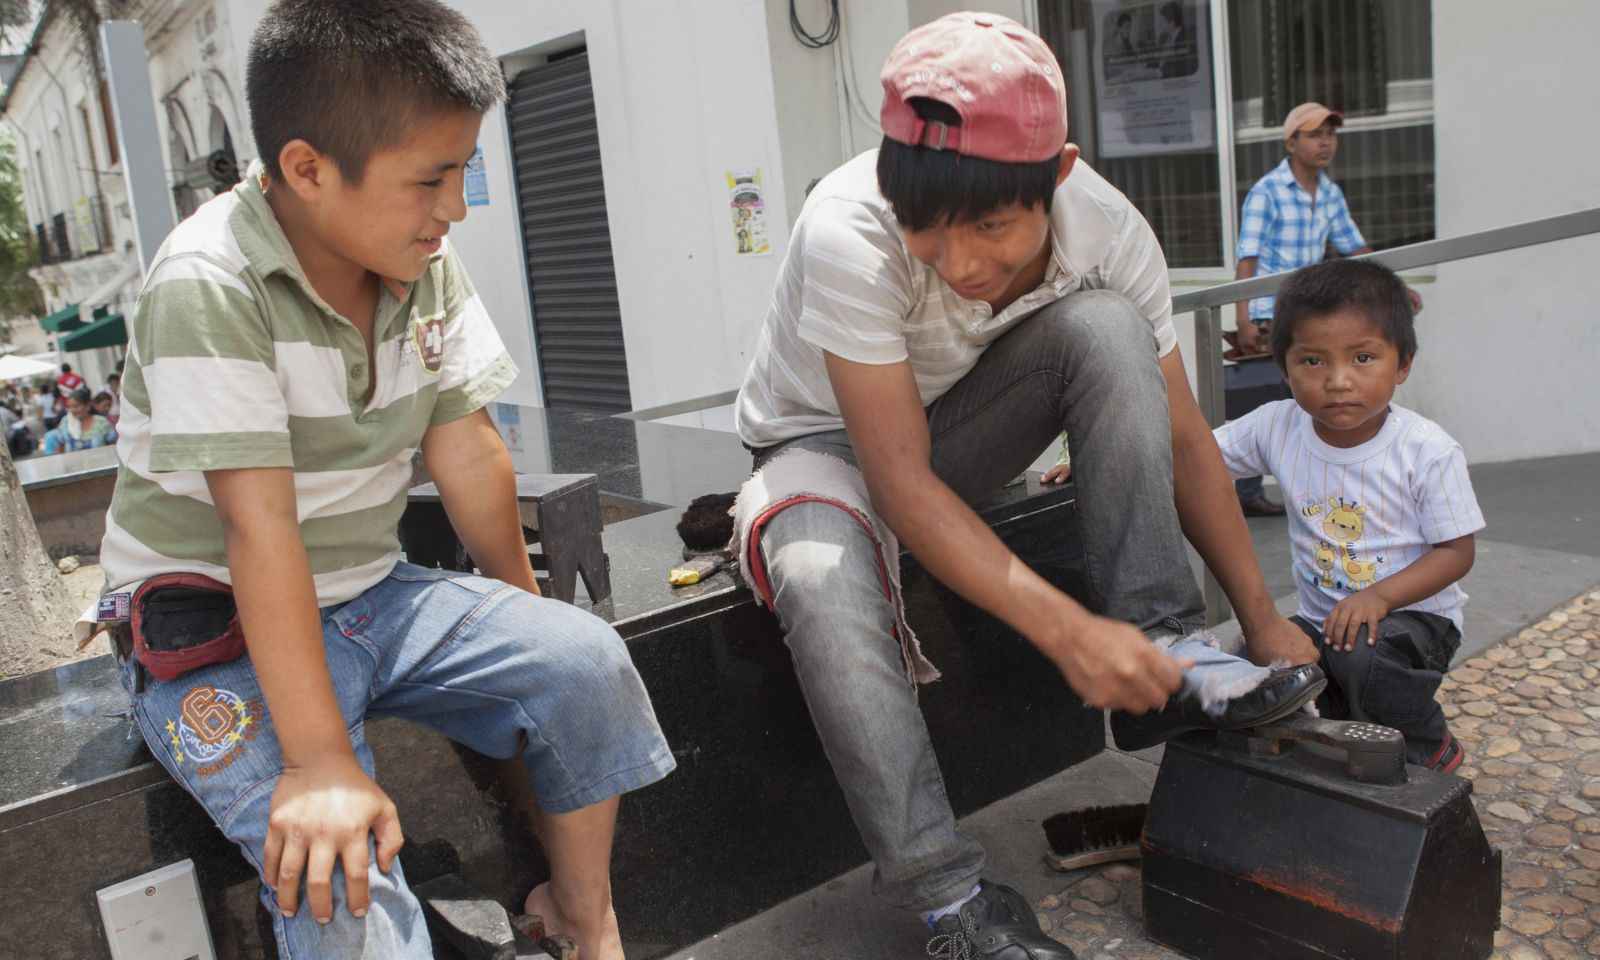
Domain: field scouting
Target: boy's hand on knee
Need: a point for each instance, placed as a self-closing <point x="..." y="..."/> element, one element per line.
<point x="1113" y="666"/>
<point x="1349" y="615"/>
<point x="320" y="814"/>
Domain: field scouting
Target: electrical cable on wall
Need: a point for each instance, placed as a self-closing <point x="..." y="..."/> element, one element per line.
<point x="852" y="84"/>
<point x="844" y="72"/>
<point x="815" y="41"/>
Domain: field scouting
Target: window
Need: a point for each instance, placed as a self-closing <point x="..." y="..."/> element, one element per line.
<point x="47" y="191"/>
<point x="1372" y="60"/>
<point x="1143" y="111"/>
<point x="1143" y="106"/>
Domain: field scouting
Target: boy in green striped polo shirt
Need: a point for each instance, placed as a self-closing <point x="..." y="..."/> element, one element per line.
<point x="296" y="342"/>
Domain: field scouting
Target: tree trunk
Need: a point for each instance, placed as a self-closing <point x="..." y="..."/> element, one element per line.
<point x="36" y="612"/>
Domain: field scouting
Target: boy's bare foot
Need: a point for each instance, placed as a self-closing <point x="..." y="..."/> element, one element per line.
<point x="597" y="936"/>
<point x="559" y="946"/>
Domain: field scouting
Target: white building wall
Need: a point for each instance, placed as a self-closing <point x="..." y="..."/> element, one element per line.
<point x="683" y="92"/>
<point x="811" y="139"/>
<point x="197" y="75"/>
<point x="686" y="91"/>
<point x="63" y="163"/>
<point x="1510" y="342"/>
<point x="42" y="114"/>
<point x="197" y="78"/>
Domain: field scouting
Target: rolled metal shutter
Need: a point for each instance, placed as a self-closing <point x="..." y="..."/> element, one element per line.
<point x="577" y="321"/>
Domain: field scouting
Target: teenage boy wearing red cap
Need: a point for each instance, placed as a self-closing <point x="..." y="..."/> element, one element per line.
<point x="1290" y="216"/>
<point x="948" y="303"/>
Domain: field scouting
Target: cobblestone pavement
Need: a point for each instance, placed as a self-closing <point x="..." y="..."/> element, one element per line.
<point x="1528" y="712"/>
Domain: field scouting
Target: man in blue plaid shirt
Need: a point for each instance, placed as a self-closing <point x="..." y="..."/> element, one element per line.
<point x="1290" y="216"/>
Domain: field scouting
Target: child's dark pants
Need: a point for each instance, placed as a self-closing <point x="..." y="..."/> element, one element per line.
<point x="1393" y="681"/>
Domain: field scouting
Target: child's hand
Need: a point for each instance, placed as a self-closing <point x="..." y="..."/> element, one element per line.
<point x="1056" y="475"/>
<point x="1252" y="338"/>
<point x="1348" y="616"/>
<point x="1416" y="300"/>
<point x="321" y="814"/>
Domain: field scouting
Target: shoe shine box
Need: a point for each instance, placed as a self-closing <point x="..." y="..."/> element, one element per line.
<point x="1260" y="846"/>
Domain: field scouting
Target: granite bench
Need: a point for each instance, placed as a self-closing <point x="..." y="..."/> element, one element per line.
<point x="68" y="494"/>
<point x="751" y="817"/>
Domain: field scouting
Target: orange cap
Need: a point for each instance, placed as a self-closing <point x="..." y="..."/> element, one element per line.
<point x="1309" y="116"/>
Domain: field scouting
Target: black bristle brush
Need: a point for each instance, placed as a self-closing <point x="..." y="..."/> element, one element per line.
<point x="706" y="528"/>
<point x="1083" y="838"/>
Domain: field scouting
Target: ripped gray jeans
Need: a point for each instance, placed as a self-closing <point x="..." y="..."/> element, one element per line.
<point x="1087" y="364"/>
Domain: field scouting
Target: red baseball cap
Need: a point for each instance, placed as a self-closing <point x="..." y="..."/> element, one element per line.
<point x="1002" y="80"/>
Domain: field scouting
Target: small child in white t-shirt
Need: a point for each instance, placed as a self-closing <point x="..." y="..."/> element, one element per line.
<point x="1381" y="511"/>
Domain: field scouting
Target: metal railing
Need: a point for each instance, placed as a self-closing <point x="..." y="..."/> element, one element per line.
<point x="1207" y="304"/>
<point x="691" y="405"/>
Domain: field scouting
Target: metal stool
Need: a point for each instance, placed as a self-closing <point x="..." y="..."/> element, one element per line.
<point x="562" y="510"/>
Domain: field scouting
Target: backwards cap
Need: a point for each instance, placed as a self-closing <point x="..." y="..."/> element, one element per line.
<point x="1002" y="80"/>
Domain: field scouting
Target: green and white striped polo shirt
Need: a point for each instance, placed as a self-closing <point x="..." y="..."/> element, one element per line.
<point x="236" y="362"/>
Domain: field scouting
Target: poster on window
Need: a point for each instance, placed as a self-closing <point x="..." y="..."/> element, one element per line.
<point x="508" y="417"/>
<point x="477" y="181"/>
<point x="747" y="202"/>
<point x="1152" y="65"/>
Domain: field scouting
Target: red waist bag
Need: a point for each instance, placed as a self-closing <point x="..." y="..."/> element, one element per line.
<point x="184" y="621"/>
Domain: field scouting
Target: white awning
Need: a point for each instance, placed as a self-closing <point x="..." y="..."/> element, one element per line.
<point x="101" y="295"/>
<point x="16" y="368"/>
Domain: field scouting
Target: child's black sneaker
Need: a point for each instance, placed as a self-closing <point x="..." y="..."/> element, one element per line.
<point x="997" y="924"/>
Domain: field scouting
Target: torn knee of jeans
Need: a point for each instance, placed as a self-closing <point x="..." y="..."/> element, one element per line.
<point x="1217" y="677"/>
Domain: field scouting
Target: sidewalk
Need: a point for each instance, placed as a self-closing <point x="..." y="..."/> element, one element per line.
<point x="1524" y="697"/>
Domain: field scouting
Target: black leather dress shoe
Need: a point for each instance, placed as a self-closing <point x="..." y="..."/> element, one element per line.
<point x="1262" y="507"/>
<point x="1285" y="691"/>
<point x="997" y="924"/>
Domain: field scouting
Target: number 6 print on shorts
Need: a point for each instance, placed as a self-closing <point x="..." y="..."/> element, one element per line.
<point x="212" y="729"/>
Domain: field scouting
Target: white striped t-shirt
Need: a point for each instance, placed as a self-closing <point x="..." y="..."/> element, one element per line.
<point x="1359" y="514"/>
<point x="849" y="286"/>
<point x="235" y="362"/>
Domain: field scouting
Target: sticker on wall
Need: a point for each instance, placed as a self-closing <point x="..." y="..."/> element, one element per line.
<point x="477" y="181"/>
<point x="747" y="201"/>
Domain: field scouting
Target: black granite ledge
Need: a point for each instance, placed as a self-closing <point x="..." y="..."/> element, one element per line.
<point x="644" y="548"/>
<point x="62" y="730"/>
<point x="751" y="816"/>
<point x="64" y="742"/>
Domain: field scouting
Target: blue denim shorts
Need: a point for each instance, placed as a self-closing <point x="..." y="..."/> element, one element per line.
<point x="487" y="665"/>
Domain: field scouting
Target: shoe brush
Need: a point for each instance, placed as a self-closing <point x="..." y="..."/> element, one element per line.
<point x="706" y="527"/>
<point x="1084" y="838"/>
